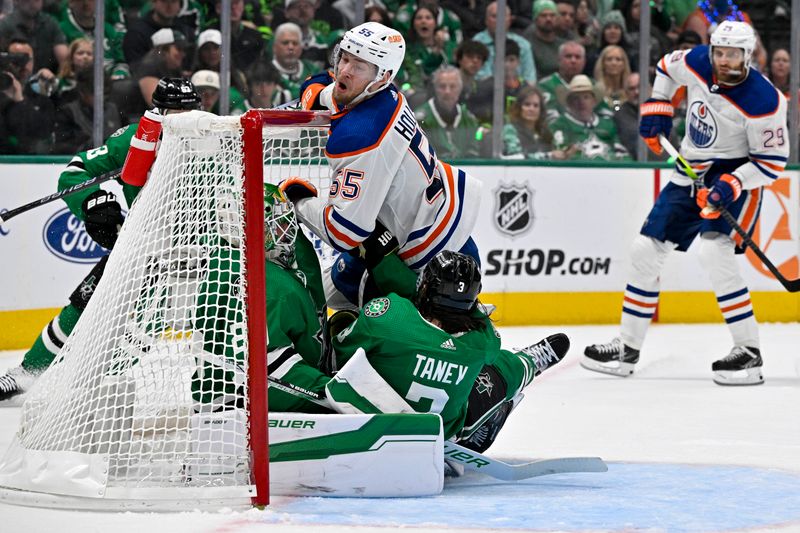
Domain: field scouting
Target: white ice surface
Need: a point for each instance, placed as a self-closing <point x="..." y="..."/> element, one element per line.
<point x="685" y="455"/>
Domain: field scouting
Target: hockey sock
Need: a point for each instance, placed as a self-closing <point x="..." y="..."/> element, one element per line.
<point x="719" y="259"/>
<point x="51" y="339"/>
<point x="641" y="293"/>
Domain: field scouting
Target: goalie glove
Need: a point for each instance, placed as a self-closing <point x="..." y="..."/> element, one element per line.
<point x="378" y="245"/>
<point x="727" y="190"/>
<point x="296" y="189"/>
<point x="656" y="120"/>
<point x="102" y="216"/>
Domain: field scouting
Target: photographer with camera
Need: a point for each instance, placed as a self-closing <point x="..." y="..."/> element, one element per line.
<point x="28" y="119"/>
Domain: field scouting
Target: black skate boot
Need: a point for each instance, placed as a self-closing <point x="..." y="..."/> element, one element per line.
<point x="740" y="367"/>
<point x="14" y="383"/>
<point x="614" y="358"/>
<point x="547" y="352"/>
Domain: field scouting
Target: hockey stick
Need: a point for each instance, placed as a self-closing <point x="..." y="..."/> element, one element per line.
<point x="97" y="180"/>
<point x="791" y="285"/>
<point x="475" y="461"/>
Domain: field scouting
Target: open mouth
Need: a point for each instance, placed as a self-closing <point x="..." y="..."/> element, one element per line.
<point x="341" y="86"/>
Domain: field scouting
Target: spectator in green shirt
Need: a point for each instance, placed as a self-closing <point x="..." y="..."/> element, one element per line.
<point x="594" y="135"/>
<point x="449" y="126"/>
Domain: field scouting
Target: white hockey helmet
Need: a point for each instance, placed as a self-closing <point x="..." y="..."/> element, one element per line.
<point x="736" y="35"/>
<point x="374" y="43"/>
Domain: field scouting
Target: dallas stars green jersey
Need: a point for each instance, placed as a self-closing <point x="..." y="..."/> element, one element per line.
<point x="596" y="139"/>
<point x="293" y="324"/>
<point x="97" y="161"/>
<point x="433" y="370"/>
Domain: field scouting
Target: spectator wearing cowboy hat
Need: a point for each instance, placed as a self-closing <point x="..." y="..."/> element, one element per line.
<point x="594" y="135"/>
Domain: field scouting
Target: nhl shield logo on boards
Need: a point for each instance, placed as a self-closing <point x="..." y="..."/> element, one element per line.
<point x="513" y="209"/>
<point x="702" y="125"/>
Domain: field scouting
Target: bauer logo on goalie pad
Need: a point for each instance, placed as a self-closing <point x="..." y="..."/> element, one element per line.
<point x="513" y="209"/>
<point x="376" y="307"/>
<point x="65" y="237"/>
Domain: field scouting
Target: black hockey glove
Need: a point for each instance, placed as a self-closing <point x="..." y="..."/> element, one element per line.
<point x="296" y="189"/>
<point x="377" y="246"/>
<point x="103" y="218"/>
<point x="335" y="324"/>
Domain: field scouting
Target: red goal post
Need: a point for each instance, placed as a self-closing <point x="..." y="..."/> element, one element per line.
<point x="254" y="124"/>
<point x="158" y="400"/>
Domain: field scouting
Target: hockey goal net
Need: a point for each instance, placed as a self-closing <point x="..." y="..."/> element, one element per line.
<point x="158" y="398"/>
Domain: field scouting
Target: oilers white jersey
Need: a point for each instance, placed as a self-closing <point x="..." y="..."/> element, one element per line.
<point x="742" y="127"/>
<point x="383" y="168"/>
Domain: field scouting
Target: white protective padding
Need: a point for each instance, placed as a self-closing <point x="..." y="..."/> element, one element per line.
<point x="388" y="455"/>
<point x="134" y="413"/>
<point x="357" y="382"/>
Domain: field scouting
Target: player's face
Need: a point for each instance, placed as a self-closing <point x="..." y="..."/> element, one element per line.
<point x="728" y="63"/>
<point x="531" y="108"/>
<point x="353" y="76"/>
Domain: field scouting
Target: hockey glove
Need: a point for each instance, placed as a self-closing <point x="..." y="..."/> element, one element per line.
<point x="102" y="216"/>
<point x="377" y="246"/>
<point x="656" y="120"/>
<point x="296" y="189"/>
<point x="727" y="190"/>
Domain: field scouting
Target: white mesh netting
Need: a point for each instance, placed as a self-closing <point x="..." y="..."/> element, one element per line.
<point x="148" y="399"/>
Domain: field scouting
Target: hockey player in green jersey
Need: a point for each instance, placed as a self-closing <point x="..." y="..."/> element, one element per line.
<point x="295" y="311"/>
<point x="102" y="215"/>
<point x="433" y="351"/>
<point x="439" y="350"/>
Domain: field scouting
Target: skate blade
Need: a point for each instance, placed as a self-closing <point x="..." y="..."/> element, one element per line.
<point x="747" y="376"/>
<point x="621" y="369"/>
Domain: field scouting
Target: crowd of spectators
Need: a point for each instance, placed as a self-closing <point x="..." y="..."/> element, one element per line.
<point x="570" y="78"/>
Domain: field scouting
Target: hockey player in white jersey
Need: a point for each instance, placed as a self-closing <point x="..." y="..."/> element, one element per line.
<point x="385" y="174"/>
<point x="737" y="142"/>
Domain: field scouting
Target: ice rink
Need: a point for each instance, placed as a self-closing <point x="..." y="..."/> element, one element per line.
<point x="685" y="455"/>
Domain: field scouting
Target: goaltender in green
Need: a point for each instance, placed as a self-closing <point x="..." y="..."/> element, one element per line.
<point x="429" y="343"/>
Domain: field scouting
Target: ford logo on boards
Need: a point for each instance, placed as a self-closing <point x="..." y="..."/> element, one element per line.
<point x="65" y="237"/>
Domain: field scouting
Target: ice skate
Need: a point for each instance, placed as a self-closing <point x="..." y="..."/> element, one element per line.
<point x="740" y="367"/>
<point x="548" y="351"/>
<point x="14" y="383"/>
<point x="614" y="358"/>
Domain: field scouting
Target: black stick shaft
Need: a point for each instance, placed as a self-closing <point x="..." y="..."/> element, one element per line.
<point x="97" y="180"/>
<point x="790" y="285"/>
